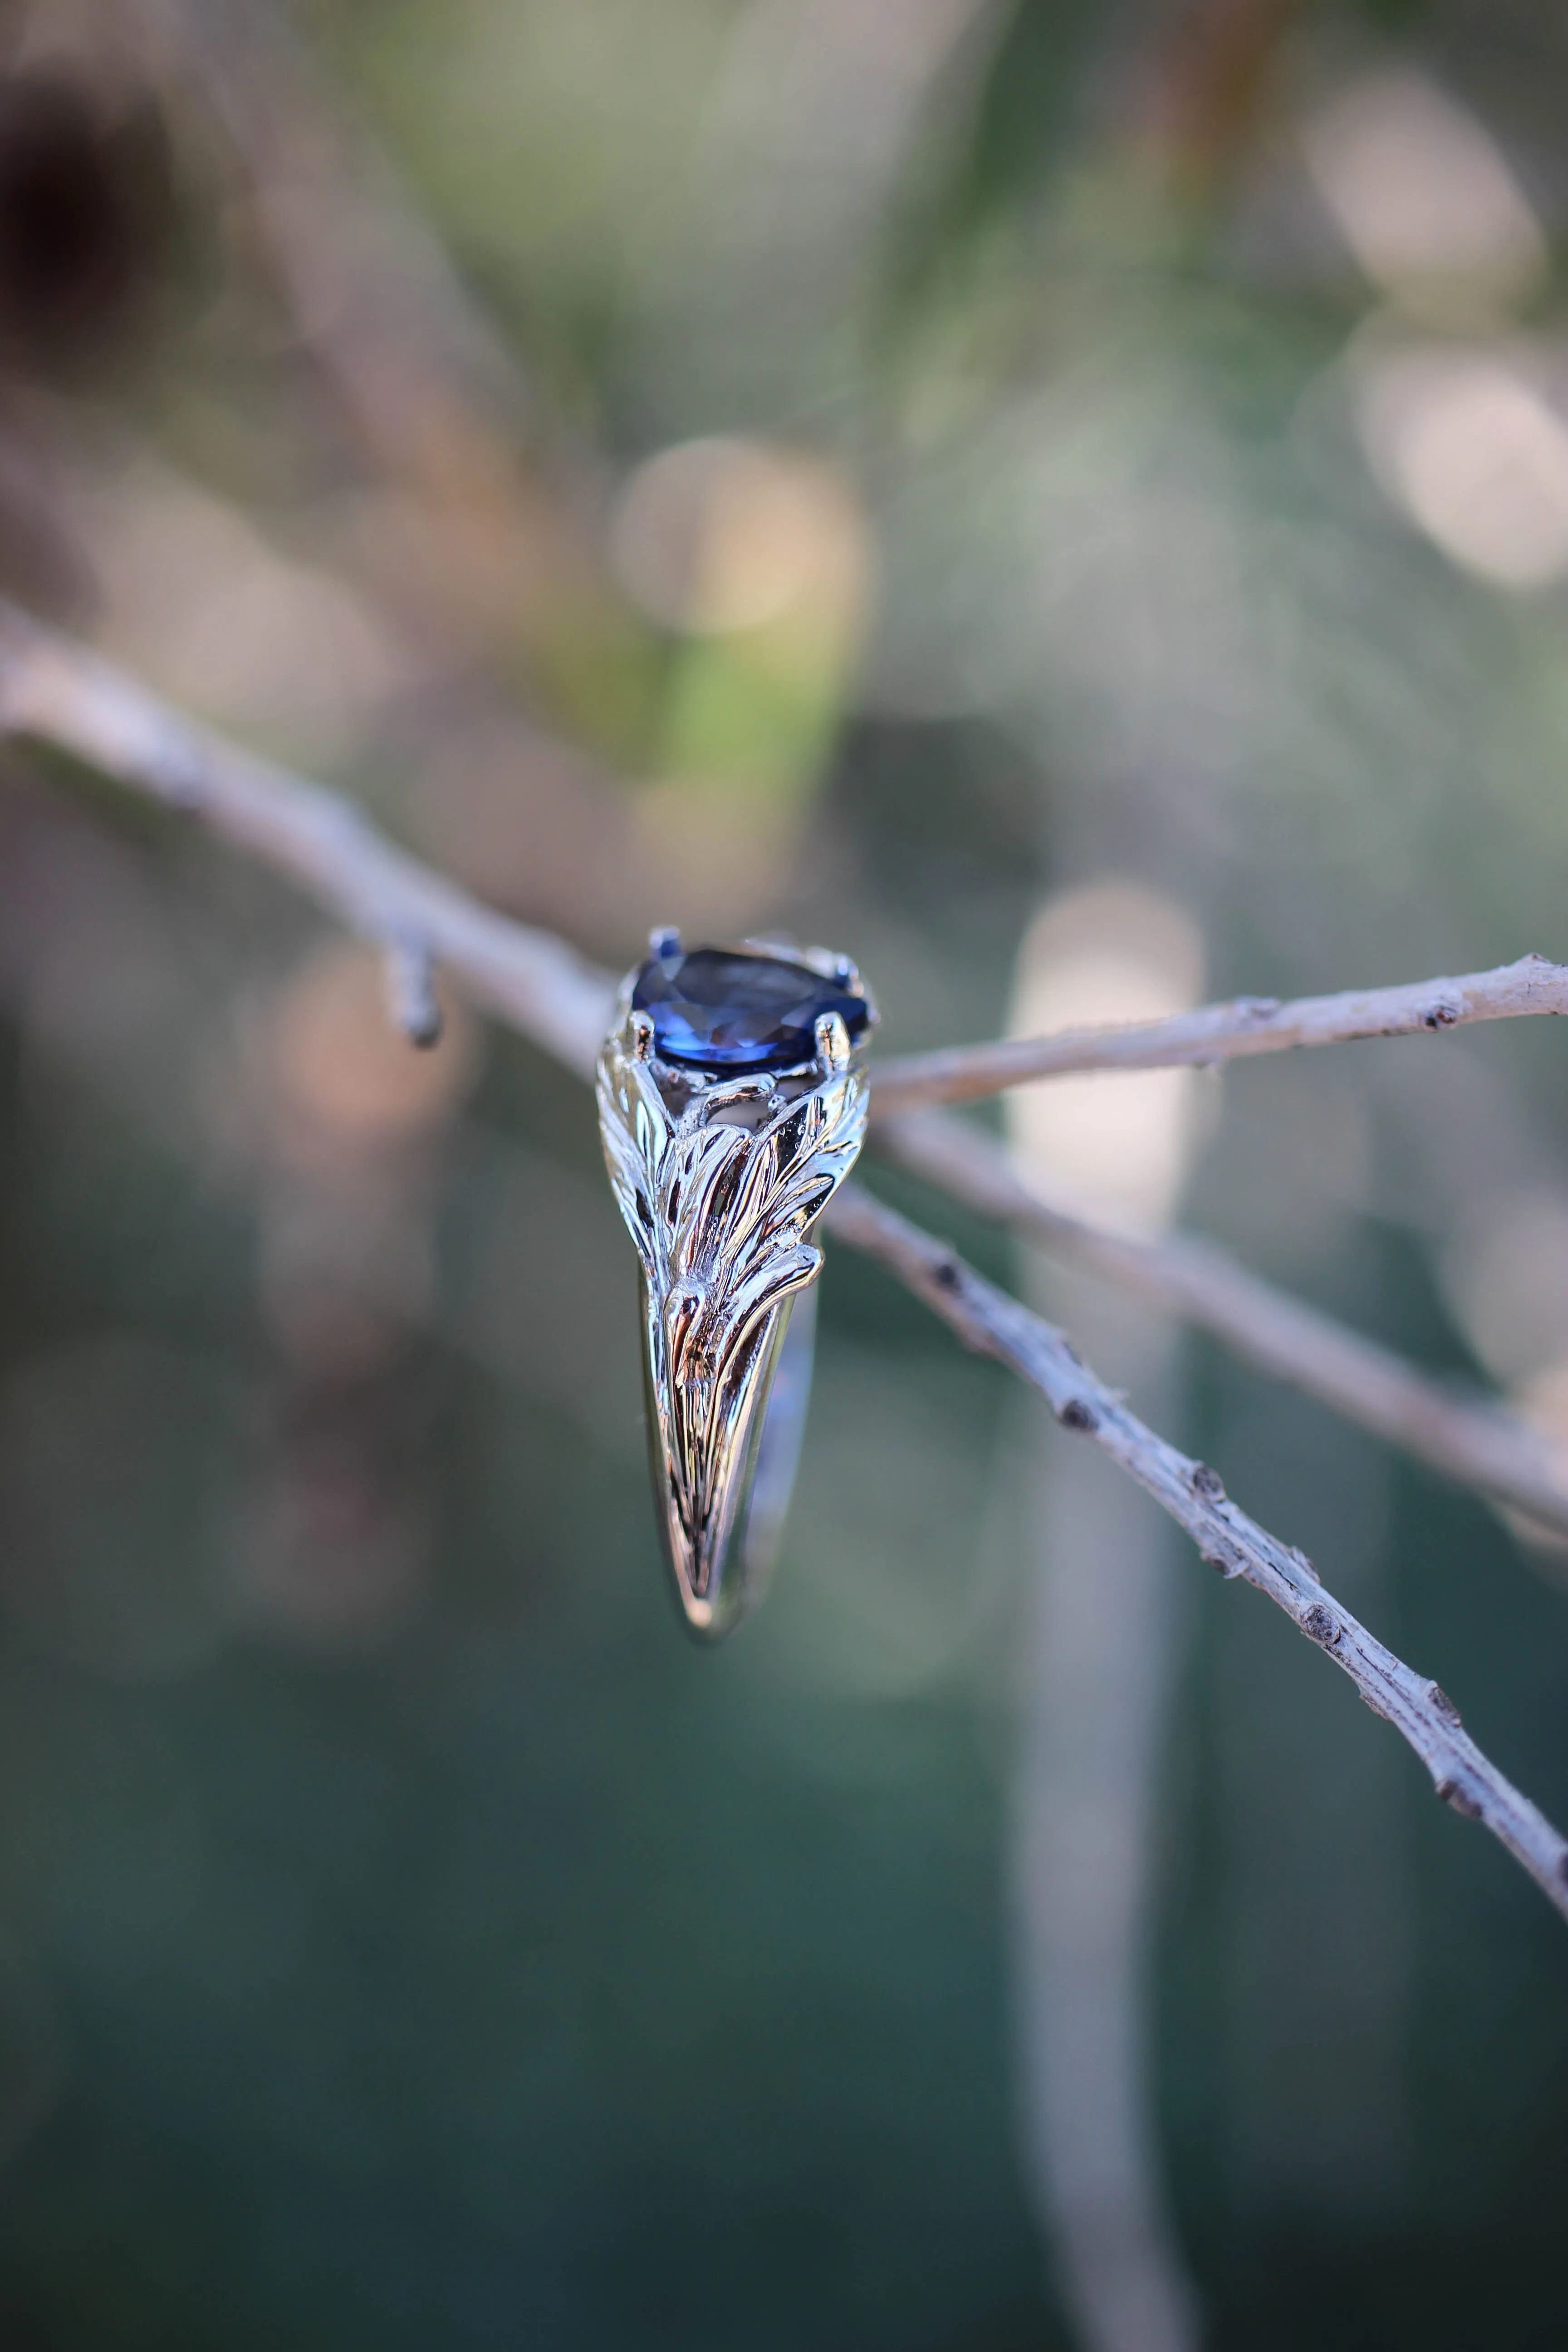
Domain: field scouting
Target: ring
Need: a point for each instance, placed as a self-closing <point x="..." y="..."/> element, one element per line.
<point x="732" y="1098"/>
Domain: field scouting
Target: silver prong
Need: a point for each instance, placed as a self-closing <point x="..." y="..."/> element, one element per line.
<point x="847" y="972"/>
<point x="641" y="1026"/>
<point x="664" y="940"/>
<point x="832" y="1041"/>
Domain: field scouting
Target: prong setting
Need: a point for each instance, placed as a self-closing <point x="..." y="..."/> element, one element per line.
<point x="832" y="1041"/>
<point x="663" y="941"/>
<point x="640" y="1028"/>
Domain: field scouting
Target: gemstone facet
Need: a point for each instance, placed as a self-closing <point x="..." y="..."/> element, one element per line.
<point x="721" y="1009"/>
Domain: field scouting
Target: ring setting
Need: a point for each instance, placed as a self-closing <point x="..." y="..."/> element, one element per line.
<point x="732" y="1098"/>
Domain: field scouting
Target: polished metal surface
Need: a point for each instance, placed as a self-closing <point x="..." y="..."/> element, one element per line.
<point x="720" y="1182"/>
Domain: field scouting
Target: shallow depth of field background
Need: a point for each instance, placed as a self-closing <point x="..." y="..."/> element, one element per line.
<point x="885" y="469"/>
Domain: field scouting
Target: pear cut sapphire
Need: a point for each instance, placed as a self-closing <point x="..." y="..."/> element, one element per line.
<point x="720" y="1009"/>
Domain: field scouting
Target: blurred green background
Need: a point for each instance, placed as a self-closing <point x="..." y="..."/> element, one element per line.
<point x="883" y="467"/>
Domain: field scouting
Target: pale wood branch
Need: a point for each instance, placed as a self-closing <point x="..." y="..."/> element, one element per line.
<point x="67" y="697"/>
<point x="1466" y="1438"/>
<point x="1222" y="1032"/>
<point x="64" y="695"/>
<point x="987" y="1320"/>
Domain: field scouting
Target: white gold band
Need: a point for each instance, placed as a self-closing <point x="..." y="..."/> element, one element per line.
<point x="719" y="1180"/>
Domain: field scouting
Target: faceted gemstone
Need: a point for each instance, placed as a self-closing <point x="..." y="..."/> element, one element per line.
<point x="715" y="1010"/>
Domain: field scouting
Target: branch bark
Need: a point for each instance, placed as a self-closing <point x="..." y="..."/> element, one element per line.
<point x="1465" y="1438"/>
<point x="65" y="697"/>
<point x="1222" y="1032"/>
<point x="993" y="1324"/>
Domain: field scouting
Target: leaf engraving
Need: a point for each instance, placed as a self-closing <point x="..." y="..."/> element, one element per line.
<point x="719" y="1211"/>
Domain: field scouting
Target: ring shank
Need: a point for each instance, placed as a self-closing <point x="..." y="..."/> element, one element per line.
<point x="736" y="1570"/>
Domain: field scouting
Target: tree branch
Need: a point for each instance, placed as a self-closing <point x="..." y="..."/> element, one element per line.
<point x="991" y="1323"/>
<point x="1468" y="1439"/>
<point x="65" y="697"/>
<point x="1221" y="1032"/>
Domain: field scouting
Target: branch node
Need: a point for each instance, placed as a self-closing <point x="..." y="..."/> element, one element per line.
<point x="411" y="990"/>
<point x="1207" y="1483"/>
<point x="1077" y="1414"/>
<point x="1440" y="1017"/>
<point x="1452" y="1792"/>
<point x="946" y="1274"/>
<point x="1443" y="1703"/>
<point x="1321" y="1625"/>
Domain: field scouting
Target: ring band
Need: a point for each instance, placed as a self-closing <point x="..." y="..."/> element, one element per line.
<point x="732" y="1099"/>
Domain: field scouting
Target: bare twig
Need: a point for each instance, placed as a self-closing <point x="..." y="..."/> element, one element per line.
<point x="67" y="697"/>
<point x="1222" y="1032"/>
<point x="1466" y="1438"/>
<point x="987" y="1320"/>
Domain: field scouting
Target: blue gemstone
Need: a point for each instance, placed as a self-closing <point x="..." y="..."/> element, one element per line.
<point x="714" y="1008"/>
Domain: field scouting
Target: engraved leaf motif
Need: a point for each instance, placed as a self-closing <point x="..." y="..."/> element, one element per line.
<point x="719" y="1200"/>
<point x="716" y="1209"/>
<point x="635" y="1128"/>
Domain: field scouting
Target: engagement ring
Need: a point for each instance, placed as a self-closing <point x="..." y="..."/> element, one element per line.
<point x="732" y="1102"/>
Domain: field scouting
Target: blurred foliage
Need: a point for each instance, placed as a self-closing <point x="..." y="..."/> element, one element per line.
<point x="405" y="1941"/>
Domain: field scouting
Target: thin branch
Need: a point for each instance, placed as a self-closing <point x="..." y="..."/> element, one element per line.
<point x="66" y="696"/>
<point x="993" y="1324"/>
<point x="1466" y="1438"/>
<point x="56" y="692"/>
<point x="1222" y="1032"/>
